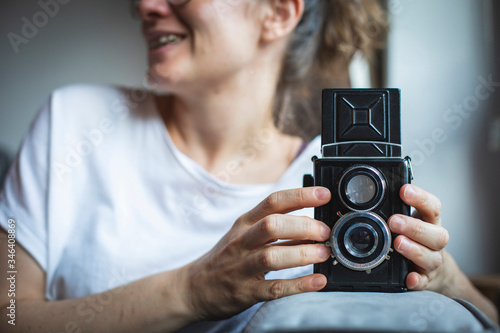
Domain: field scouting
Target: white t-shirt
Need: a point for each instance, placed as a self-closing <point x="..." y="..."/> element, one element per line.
<point x="101" y="196"/>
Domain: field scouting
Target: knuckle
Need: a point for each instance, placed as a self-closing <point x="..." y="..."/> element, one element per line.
<point x="309" y="226"/>
<point x="418" y="255"/>
<point x="304" y="255"/>
<point x="301" y="196"/>
<point x="276" y="290"/>
<point x="438" y="206"/>
<point x="443" y="238"/>
<point x="240" y="298"/>
<point x="242" y="222"/>
<point x="301" y="287"/>
<point x="433" y="205"/>
<point x="424" y="282"/>
<point x="417" y="230"/>
<point x="438" y="260"/>
<point x="271" y="201"/>
<point x="267" y="258"/>
<point x="269" y="224"/>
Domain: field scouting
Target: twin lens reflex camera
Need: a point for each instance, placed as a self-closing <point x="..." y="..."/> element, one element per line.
<point x="363" y="167"/>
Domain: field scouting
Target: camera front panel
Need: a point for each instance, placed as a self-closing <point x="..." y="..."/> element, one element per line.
<point x="365" y="193"/>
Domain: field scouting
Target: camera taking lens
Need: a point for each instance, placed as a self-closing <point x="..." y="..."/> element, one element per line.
<point x="360" y="240"/>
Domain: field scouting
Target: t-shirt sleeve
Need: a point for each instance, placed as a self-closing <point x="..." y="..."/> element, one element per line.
<point x="24" y="195"/>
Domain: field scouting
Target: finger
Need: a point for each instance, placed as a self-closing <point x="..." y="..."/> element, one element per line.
<point x="430" y="235"/>
<point x="428" y="205"/>
<point x="286" y="201"/>
<point x="279" y="226"/>
<point x="416" y="281"/>
<point x="273" y="289"/>
<point x="292" y="242"/>
<point x="274" y="258"/>
<point x="425" y="258"/>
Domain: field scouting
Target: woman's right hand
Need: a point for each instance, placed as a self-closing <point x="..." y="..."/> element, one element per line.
<point x="230" y="278"/>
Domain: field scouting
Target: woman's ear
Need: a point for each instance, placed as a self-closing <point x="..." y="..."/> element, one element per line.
<point x="282" y="16"/>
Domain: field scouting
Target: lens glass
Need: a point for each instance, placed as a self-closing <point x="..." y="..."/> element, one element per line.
<point x="360" y="240"/>
<point x="360" y="189"/>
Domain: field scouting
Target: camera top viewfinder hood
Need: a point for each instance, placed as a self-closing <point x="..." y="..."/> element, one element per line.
<point x="361" y="123"/>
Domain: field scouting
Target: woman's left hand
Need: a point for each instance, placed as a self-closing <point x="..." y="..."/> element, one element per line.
<point x="422" y="239"/>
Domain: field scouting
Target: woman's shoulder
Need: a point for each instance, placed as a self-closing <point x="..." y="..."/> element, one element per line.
<point x="84" y="94"/>
<point x="78" y="89"/>
<point x="91" y="102"/>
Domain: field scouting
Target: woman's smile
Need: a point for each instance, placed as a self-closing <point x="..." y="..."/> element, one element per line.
<point x="164" y="40"/>
<point x="159" y="42"/>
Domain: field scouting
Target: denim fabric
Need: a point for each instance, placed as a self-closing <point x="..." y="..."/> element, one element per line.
<point x="422" y="311"/>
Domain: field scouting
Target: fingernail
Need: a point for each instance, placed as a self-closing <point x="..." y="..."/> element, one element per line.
<point x="323" y="252"/>
<point x="396" y="223"/>
<point x="325" y="232"/>
<point x="317" y="282"/>
<point x="409" y="192"/>
<point x="418" y="282"/>
<point x="321" y="193"/>
<point x="404" y="245"/>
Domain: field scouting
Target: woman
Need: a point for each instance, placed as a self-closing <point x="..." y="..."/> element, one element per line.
<point x="150" y="212"/>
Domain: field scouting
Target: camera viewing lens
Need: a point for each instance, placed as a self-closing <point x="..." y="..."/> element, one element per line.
<point x="361" y="189"/>
<point x="361" y="240"/>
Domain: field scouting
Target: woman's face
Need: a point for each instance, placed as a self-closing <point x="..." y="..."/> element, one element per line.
<point x="200" y="43"/>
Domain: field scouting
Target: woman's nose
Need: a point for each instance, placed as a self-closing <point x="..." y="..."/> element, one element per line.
<point x="150" y="9"/>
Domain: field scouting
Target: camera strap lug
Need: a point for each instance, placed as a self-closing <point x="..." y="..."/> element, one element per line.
<point x="410" y="169"/>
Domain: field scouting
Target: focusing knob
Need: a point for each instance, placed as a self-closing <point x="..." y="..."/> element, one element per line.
<point x="308" y="181"/>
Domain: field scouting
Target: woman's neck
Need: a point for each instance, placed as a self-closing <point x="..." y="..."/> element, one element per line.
<point x="231" y="124"/>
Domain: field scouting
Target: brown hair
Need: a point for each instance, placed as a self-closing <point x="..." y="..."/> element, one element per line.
<point x="329" y="33"/>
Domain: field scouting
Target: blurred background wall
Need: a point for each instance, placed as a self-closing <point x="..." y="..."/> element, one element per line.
<point x="440" y="53"/>
<point x="80" y="41"/>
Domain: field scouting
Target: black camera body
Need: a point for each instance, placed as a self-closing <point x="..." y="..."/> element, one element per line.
<point x="363" y="168"/>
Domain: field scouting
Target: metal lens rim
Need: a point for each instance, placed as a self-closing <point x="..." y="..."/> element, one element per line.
<point x="350" y="247"/>
<point x="386" y="234"/>
<point x="378" y="178"/>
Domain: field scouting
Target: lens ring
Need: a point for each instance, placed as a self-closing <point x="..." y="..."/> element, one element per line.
<point x="385" y="236"/>
<point x="362" y="170"/>
<point x="352" y="248"/>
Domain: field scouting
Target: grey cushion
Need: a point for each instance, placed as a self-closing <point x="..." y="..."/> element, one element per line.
<point x="422" y="311"/>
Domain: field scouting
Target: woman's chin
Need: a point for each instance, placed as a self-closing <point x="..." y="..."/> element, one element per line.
<point x="161" y="78"/>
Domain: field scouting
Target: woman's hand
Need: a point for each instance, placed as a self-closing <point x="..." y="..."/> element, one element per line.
<point x="230" y="278"/>
<point x="421" y="239"/>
